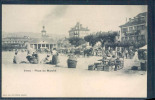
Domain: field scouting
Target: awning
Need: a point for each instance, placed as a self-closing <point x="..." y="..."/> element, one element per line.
<point x="144" y="47"/>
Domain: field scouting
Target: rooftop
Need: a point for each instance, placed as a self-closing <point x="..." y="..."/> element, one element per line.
<point x="79" y="27"/>
<point x="42" y="40"/>
<point x="16" y="38"/>
<point x="135" y="22"/>
<point x="142" y="14"/>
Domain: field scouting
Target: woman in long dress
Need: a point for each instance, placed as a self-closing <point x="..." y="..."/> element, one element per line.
<point x="55" y="57"/>
<point x="135" y="58"/>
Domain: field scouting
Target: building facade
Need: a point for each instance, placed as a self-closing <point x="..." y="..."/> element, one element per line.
<point x="43" y="43"/>
<point x="78" y="31"/>
<point x="135" y="29"/>
<point x="10" y="43"/>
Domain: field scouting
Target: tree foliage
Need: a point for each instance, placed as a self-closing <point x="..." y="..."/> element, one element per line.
<point x="108" y="39"/>
<point x="103" y="37"/>
<point x="135" y="44"/>
<point x="76" y="41"/>
<point x="92" y="39"/>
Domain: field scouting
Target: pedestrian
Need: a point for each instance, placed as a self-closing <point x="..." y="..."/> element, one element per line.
<point x="29" y="57"/>
<point x="126" y="53"/>
<point x="16" y="58"/>
<point x="117" y="64"/>
<point x="55" y="57"/>
<point x="112" y="60"/>
<point x="144" y="55"/>
<point x="16" y="51"/>
<point x="113" y="52"/>
<point x="35" y="58"/>
<point x="104" y="54"/>
<point x="46" y="60"/>
<point x="135" y="58"/>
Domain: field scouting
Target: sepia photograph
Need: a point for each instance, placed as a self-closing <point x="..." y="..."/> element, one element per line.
<point x="74" y="51"/>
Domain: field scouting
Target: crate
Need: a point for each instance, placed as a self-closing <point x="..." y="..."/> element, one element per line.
<point x="99" y="67"/>
<point x="91" y="67"/>
<point x="134" y="68"/>
<point x="107" y="68"/>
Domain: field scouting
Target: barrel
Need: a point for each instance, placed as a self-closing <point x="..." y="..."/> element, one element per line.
<point x="143" y="66"/>
<point x="71" y="63"/>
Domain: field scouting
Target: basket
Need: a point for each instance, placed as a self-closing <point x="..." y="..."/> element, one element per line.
<point x="35" y="61"/>
<point x="71" y="63"/>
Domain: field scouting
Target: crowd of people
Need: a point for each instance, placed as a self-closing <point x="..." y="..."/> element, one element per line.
<point x="33" y="58"/>
<point x="126" y="53"/>
<point x="52" y="58"/>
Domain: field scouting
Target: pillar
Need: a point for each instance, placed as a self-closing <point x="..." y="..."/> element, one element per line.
<point x="37" y="46"/>
<point x="33" y="46"/>
<point x="49" y="47"/>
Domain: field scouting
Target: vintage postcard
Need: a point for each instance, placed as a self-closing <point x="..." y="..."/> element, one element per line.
<point x="74" y="51"/>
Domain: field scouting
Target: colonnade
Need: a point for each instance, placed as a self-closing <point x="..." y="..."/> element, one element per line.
<point x="38" y="46"/>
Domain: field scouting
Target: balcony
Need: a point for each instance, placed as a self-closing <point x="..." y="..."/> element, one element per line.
<point x="133" y="32"/>
<point x="134" y="38"/>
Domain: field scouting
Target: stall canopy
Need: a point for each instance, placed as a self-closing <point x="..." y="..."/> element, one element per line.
<point x="144" y="47"/>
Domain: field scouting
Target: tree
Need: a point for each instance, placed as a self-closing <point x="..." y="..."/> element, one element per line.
<point x="92" y="39"/>
<point x="103" y="37"/>
<point x="135" y="44"/>
<point x="107" y="38"/>
<point x="139" y="44"/>
<point x="76" y="41"/>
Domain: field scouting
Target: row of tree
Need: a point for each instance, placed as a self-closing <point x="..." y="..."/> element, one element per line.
<point x="94" y="38"/>
<point x="106" y="39"/>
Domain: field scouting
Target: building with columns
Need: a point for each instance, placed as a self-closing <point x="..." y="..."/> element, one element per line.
<point x="45" y="42"/>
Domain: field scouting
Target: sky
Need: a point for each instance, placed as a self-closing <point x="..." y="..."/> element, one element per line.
<point x="58" y="19"/>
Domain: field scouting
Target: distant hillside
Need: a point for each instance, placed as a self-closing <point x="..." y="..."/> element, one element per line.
<point x="31" y="35"/>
